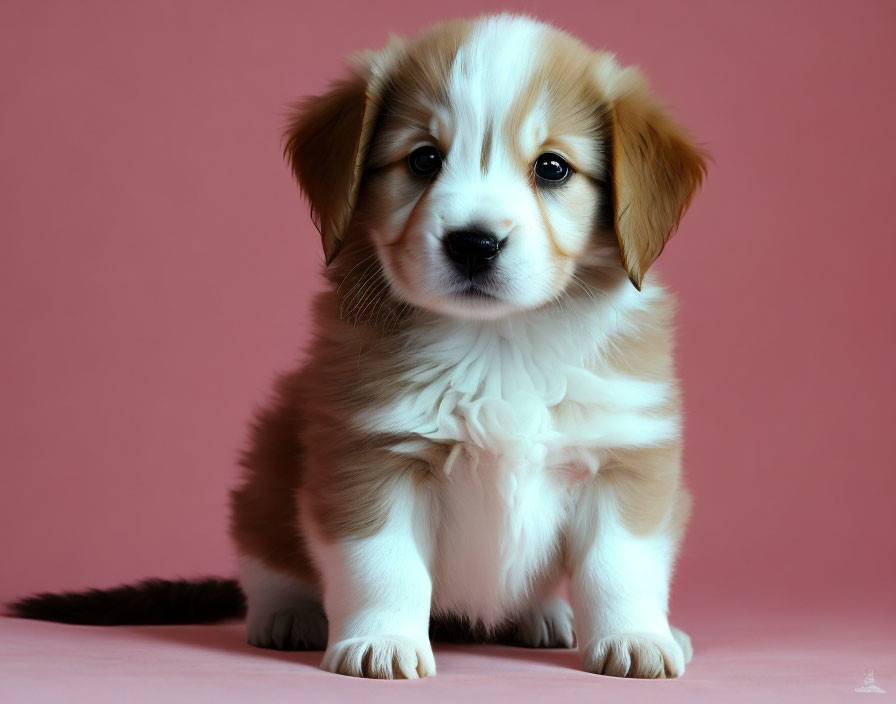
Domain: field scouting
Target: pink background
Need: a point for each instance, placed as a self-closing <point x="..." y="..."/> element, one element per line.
<point x="156" y="266"/>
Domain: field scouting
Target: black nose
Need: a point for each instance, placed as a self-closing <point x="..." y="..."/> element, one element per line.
<point x="471" y="250"/>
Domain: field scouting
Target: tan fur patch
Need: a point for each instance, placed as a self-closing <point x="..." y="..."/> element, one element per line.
<point x="348" y="474"/>
<point x="656" y="171"/>
<point x="328" y="139"/>
<point x="486" y="147"/>
<point x="646" y="483"/>
<point x="578" y="103"/>
<point x="264" y="515"/>
<point x="327" y="144"/>
<point x="552" y="235"/>
<point x="575" y="108"/>
<point x="418" y="78"/>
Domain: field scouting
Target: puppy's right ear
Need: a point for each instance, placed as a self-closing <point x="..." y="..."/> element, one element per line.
<point x="326" y="145"/>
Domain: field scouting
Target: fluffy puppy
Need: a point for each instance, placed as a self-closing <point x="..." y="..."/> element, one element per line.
<point x="488" y="405"/>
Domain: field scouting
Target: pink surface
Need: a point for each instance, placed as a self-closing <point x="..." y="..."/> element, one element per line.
<point x="739" y="659"/>
<point x="156" y="266"/>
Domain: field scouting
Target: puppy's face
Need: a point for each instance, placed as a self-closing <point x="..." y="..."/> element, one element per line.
<point x="483" y="163"/>
<point x="482" y="190"/>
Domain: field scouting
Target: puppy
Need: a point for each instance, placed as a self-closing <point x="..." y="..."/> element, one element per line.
<point x="489" y="405"/>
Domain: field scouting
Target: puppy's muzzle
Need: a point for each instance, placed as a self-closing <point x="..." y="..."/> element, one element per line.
<point x="472" y="251"/>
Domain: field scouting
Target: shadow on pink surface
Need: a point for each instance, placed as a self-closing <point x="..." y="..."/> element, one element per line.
<point x="739" y="657"/>
<point x="228" y="639"/>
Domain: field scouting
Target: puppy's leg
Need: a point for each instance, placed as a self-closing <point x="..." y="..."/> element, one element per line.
<point x="546" y="624"/>
<point x="620" y="588"/>
<point x="283" y="612"/>
<point x="377" y="593"/>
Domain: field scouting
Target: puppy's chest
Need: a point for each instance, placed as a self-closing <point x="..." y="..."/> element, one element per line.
<point x="526" y="404"/>
<point x="497" y="527"/>
<point x="510" y="429"/>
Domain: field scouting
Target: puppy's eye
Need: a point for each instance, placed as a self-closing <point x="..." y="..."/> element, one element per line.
<point x="424" y="161"/>
<point x="551" y="169"/>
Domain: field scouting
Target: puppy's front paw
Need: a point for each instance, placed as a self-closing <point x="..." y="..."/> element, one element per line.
<point x="684" y="640"/>
<point x="382" y="658"/>
<point x="550" y="625"/>
<point x="641" y="655"/>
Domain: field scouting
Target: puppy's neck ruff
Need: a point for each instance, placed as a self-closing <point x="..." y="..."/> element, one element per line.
<point x="530" y="390"/>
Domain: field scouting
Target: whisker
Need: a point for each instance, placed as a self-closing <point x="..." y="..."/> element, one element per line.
<point x="348" y="273"/>
<point x="358" y="292"/>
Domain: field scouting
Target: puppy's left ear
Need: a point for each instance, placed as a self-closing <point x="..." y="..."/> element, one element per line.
<point x="656" y="169"/>
<point x="326" y="145"/>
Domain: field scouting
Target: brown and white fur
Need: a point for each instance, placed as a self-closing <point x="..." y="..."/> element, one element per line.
<point x="457" y="447"/>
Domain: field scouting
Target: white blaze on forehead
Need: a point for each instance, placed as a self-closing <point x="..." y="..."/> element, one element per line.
<point x="489" y="72"/>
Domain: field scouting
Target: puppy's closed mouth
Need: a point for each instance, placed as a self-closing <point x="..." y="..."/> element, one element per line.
<point x="472" y="291"/>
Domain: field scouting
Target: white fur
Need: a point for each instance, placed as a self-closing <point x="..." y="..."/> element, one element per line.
<point x="533" y="385"/>
<point x="620" y="589"/>
<point x="377" y="591"/>
<point x="629" y="573"/>
<point x="500" y="524"/>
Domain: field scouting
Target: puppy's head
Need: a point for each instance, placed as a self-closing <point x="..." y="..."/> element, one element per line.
<point x="487" y="164"/>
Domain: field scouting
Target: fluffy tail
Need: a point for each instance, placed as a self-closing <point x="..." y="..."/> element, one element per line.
<point x="150" y="602"/>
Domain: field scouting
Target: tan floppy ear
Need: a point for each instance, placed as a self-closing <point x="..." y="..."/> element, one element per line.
<point x="326" y="145"/>
<point x="656" y="171"/>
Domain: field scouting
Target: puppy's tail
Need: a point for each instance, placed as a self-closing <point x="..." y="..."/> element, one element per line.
<point x="150" y="602"/>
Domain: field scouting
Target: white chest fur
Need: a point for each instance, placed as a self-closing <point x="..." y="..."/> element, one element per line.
<point x="498" y="529"/>
<point x="527" y="408"/>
